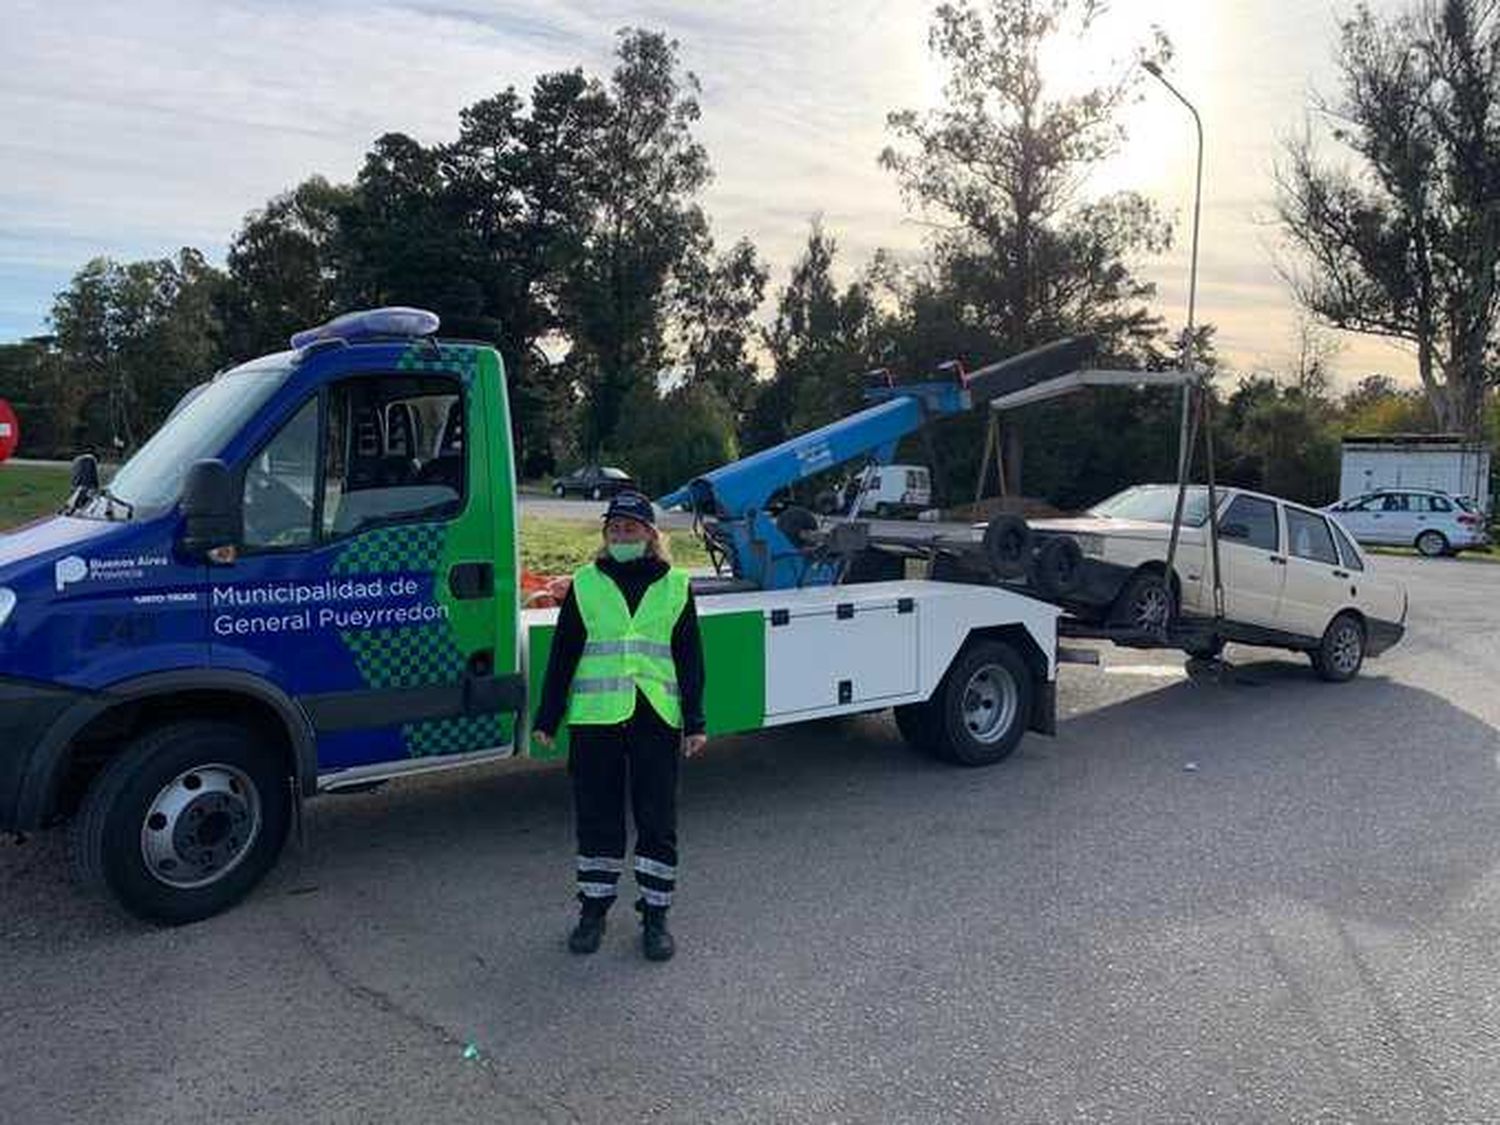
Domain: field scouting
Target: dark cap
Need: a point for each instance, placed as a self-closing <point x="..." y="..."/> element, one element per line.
<point x="633" y="506"/>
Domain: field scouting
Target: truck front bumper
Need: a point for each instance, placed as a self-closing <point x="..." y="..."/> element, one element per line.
<point x="28" y="712"/>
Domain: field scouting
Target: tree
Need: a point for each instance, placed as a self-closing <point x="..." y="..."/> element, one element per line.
<point x="1407" y="244"/>
<point x="401" y="242"/>
<point x="284" y="268"/>
<point x="643" y="223"/>
<point x="998" y="166"/>
<point x="717" y="301"/>
<point x="131" y="339"/>
<point x="667" y="440"/>
<point x="519" y="181"/>
<point x="29" y="382"/>
<point x="821" y="343"/>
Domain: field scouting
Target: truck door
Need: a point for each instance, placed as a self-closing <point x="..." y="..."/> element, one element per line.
<point x="367" y="583"/>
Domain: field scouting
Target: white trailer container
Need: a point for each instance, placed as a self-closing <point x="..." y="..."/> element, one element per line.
<point x="1446" y="462"/>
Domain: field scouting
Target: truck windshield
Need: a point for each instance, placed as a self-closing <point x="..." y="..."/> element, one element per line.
<point x="1155" y="503"/>
<point x="198" y="428"/>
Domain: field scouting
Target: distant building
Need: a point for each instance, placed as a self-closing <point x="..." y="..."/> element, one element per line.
<point x="1448" y="462"/>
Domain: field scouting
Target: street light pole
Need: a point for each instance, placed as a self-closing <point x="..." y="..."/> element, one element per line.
<point x="1187" y="358"/>
<point x="1189" y="386"/>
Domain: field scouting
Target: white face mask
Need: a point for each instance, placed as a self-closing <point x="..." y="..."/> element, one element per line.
<point x="627" y="552"/>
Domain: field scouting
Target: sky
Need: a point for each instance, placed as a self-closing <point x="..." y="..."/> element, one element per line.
<point x="130" y="130"/>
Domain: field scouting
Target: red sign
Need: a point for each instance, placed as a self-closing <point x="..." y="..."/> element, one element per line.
<point x="10" y="430"/>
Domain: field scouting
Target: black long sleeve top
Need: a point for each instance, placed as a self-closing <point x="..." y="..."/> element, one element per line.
<point x="633" y="578"/>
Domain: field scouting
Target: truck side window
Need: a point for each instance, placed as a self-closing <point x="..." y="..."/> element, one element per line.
<point x="1258" y="517"/>
<point x="370" y="476"/>
<point x="280" y="482"/>
<point x="1310" y="537"/>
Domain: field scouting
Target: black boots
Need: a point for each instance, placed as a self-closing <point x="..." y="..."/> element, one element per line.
<point x="656" y="939"/>
<point x="589" y="932"/>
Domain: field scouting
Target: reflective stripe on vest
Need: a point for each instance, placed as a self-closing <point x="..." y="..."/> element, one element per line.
<point x="626" y="653"/>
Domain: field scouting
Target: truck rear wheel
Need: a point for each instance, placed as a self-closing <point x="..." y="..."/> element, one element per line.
<point x="185" y="822"/>
<point x="983" y="706"/>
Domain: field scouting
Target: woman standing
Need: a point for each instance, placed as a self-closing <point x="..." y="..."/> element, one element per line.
<point x="626" y="671"/>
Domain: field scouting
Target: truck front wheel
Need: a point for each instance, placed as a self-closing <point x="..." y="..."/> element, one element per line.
<point x="984" y="704"/>
<point x="184" y="822"/>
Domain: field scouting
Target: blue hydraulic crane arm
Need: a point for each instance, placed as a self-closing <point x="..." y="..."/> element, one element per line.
<point x="746" y="485"/>
<point x="737" y="493"/>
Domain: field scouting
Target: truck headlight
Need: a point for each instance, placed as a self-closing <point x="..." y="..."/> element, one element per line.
<point x="7" y="603"/>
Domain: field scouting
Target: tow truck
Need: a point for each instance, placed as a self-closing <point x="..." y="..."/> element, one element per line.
<point x="307" y="581"/>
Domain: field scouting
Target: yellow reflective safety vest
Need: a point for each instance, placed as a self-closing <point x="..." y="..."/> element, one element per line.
<point x="625" y="653"/>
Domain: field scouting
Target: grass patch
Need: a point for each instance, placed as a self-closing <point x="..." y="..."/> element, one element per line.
<point x="562" y="546"/>
<point x="548" y="546"/>
<point x="1469" y="554"/>
<point x="29" y="491"/>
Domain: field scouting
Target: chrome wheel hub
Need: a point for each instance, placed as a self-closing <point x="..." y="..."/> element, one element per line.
<point x="990" y="701"/>
<point x="200" y="826"/>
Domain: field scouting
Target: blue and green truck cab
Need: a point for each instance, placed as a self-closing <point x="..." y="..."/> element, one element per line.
<point x="308" y="580"/>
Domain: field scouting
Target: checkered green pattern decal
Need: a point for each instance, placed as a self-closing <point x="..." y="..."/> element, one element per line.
<point x="414" y="548"/>
<point x="452" y="736"/>
<point x="414" y="655"/>
<point x="406" y="655"/>
<point x="462" y="361"/>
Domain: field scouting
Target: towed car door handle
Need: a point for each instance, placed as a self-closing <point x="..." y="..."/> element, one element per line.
<point x="1341" y="574"/>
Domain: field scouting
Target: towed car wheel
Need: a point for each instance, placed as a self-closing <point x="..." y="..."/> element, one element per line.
<point x="1146" y="603"/>
<point x="1341" y="653"/>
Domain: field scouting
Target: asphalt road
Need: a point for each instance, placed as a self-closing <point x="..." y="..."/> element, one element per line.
<point x="591" y="511"/>
<point x="1269" y="899"/>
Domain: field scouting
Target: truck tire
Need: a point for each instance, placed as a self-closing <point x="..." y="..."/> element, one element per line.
<point x="184" y="822"/>
<point x="1341" y="653"/>
<point x="1007" y="545"/>
<point x="1056" y="568"/>
<point x="560" y="492"/>
<point x="983" y="705"/>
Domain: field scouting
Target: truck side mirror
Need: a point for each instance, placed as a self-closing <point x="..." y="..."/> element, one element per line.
<point x="211" y="508"/>
<point x="84" y="481"/>
<point x="85" y="473"/>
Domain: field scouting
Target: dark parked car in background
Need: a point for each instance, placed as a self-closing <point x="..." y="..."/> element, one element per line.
<point x="595" y="482"/>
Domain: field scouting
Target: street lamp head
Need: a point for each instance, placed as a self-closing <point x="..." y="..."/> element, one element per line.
<point x="1150" y="67"/>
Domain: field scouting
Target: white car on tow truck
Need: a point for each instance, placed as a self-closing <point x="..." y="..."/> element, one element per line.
<point x="1291" y="577"/>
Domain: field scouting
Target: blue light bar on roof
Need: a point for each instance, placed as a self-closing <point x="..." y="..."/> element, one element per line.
<point x="367" y="323"/>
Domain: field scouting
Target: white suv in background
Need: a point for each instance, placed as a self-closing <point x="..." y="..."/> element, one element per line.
<point x="1433" y="522"/>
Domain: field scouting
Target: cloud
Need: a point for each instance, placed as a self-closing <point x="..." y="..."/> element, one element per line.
<point x="134" y="129"/>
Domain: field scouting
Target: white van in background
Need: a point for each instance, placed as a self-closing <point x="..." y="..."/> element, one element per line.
<point x="892" y="491"/>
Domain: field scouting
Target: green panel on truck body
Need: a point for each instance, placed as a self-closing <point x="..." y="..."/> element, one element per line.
<point x="734" y="657"/>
